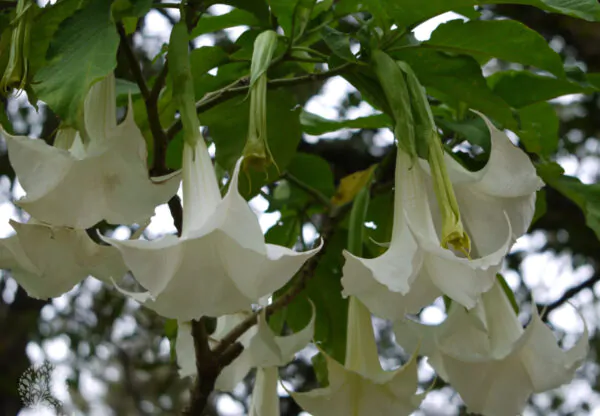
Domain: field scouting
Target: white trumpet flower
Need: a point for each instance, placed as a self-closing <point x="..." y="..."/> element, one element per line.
<point x="220" y="264"/>
<point x="496" y="206"/>
<point x="361" y="387"/>
<point x="489" y="359"/>
<point x="48" y="261"/>
<point x="103" y="176"/>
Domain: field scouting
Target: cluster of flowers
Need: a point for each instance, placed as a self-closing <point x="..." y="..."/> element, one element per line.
<point x="451" y="230"/>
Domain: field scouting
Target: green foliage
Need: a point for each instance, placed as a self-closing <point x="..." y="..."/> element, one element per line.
<point x="236" y="17"/>
<point x="504" y="39"/>
<point x="82" y="51"/>
<point x="315" y="124"/>
<point x="523" y="88"/>
<point x="456" y="80"/>
<point x="587" y="197"/>
<point x="539" y="128"/>
<point x="283" y="131"/>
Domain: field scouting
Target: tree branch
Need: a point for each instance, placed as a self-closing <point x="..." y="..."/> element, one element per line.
<point x="570" y="293"/>
<point x="151" y="101"/>
<point x="215" y="98"/>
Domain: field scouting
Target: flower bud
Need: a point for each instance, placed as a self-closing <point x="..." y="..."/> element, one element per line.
<point x="453" y="232"/>
<point x="256" y="151"/>
<point x="16" y="71"/>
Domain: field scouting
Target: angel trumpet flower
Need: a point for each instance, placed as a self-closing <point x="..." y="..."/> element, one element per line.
<point x="103" y="178"/>
<point x="48" y="261"/>
<point x="361" y="387"/>
<point x="220" y="264"/>
<point x="497" y="205"/>
<point x="489" y="359"/>
<point x="262" y="349"/>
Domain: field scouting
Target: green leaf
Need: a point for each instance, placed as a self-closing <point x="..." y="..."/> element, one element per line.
<point x="523" y="88"/>
<point x="83" y="51"/>
<point x="459" y="80"/>
<point x="258" y="8"/>
<point x="504" y="39"/>
<point x="130" y="8"/>
<point x="283" y="134"/>
<point x="474" y="130"/>
<point x="236" y="17"/>
<point x="45" y="25"/>
<point x="285" y="232"/>
<point x="540" y="206"/>
<point x="587" y="197"/>
<point x="284" y="10"/>
<point x="338" y="42"/>
<point x="409" y="13"/>
<point x="381" y="214"/>
<point x="317" y="125"/>
<point x="206" y="58"/>
<point x="312" y="171"/>
<point x="539" y="128"/>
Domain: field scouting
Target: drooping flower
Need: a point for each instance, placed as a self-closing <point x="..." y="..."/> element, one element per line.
<point x="48" y="261"/>
<point x="361" y="387"/>
<point x="497" y="205"/>
<point x="102" y="176"/>
<point x="263" y="350"/>
<point x="489" y="359"/>
<point x="220" y="264"/>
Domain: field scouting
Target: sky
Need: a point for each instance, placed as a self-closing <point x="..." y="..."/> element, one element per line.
<point x="547" y="274"/>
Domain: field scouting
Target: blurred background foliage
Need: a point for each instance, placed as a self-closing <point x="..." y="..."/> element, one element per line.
<point x="113" y="357"/>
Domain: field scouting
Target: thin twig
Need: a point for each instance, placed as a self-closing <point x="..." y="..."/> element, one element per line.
<point x="217" y="97"/>
<point x="134" y="65"/>
<point x="318" y="196"/>
<point x="570" y="293"/>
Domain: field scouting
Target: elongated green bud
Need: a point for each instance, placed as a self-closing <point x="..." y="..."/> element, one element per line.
<point x="17" y="68"/>
<point x="396" y="92"/>
<point x="183" y="83"/>
<point x="453" y="232"/>
<point x="256" y="151"/>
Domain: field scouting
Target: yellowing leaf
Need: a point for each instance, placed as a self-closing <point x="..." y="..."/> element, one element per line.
<point x="351" y="185"/>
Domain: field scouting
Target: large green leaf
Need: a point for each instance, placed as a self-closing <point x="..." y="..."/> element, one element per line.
<point x="236" y="17"/>
<point x="504" y="39"/>
<point x="284" y="10"/>
<point x="312" y="171"/>
<point x="206" y="58"/>
<point x="83" y="51"/>
<point x="523" y="88"/>
<point x="316" y="125"/>
<point x="458" y="79"/>
<point x="412" y="12"/>
<point x="228" y="127"/>
<point x="587" y="197"/>
<point x="539" y="128"/>
<point x="45" y="25"/>
<point x="338" y="42"/>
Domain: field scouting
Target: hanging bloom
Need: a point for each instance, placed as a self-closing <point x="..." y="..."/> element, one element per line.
<point x="497" y="205"/>
<point x="361" y="387"/>
<point x="220" y="264"/>
<point x="103" y="178"/>
<point x="48" y="261"/>
<point x="489" y="359"/>
<point x="262" y="349"/>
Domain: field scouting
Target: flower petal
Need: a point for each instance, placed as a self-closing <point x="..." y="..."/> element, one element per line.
<point x="265" y="400"/>
<point x="378" y="298"/>
<point x="100" y="109"/>
<point x="185" y="350"/>
<point x="547" y="365"/>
